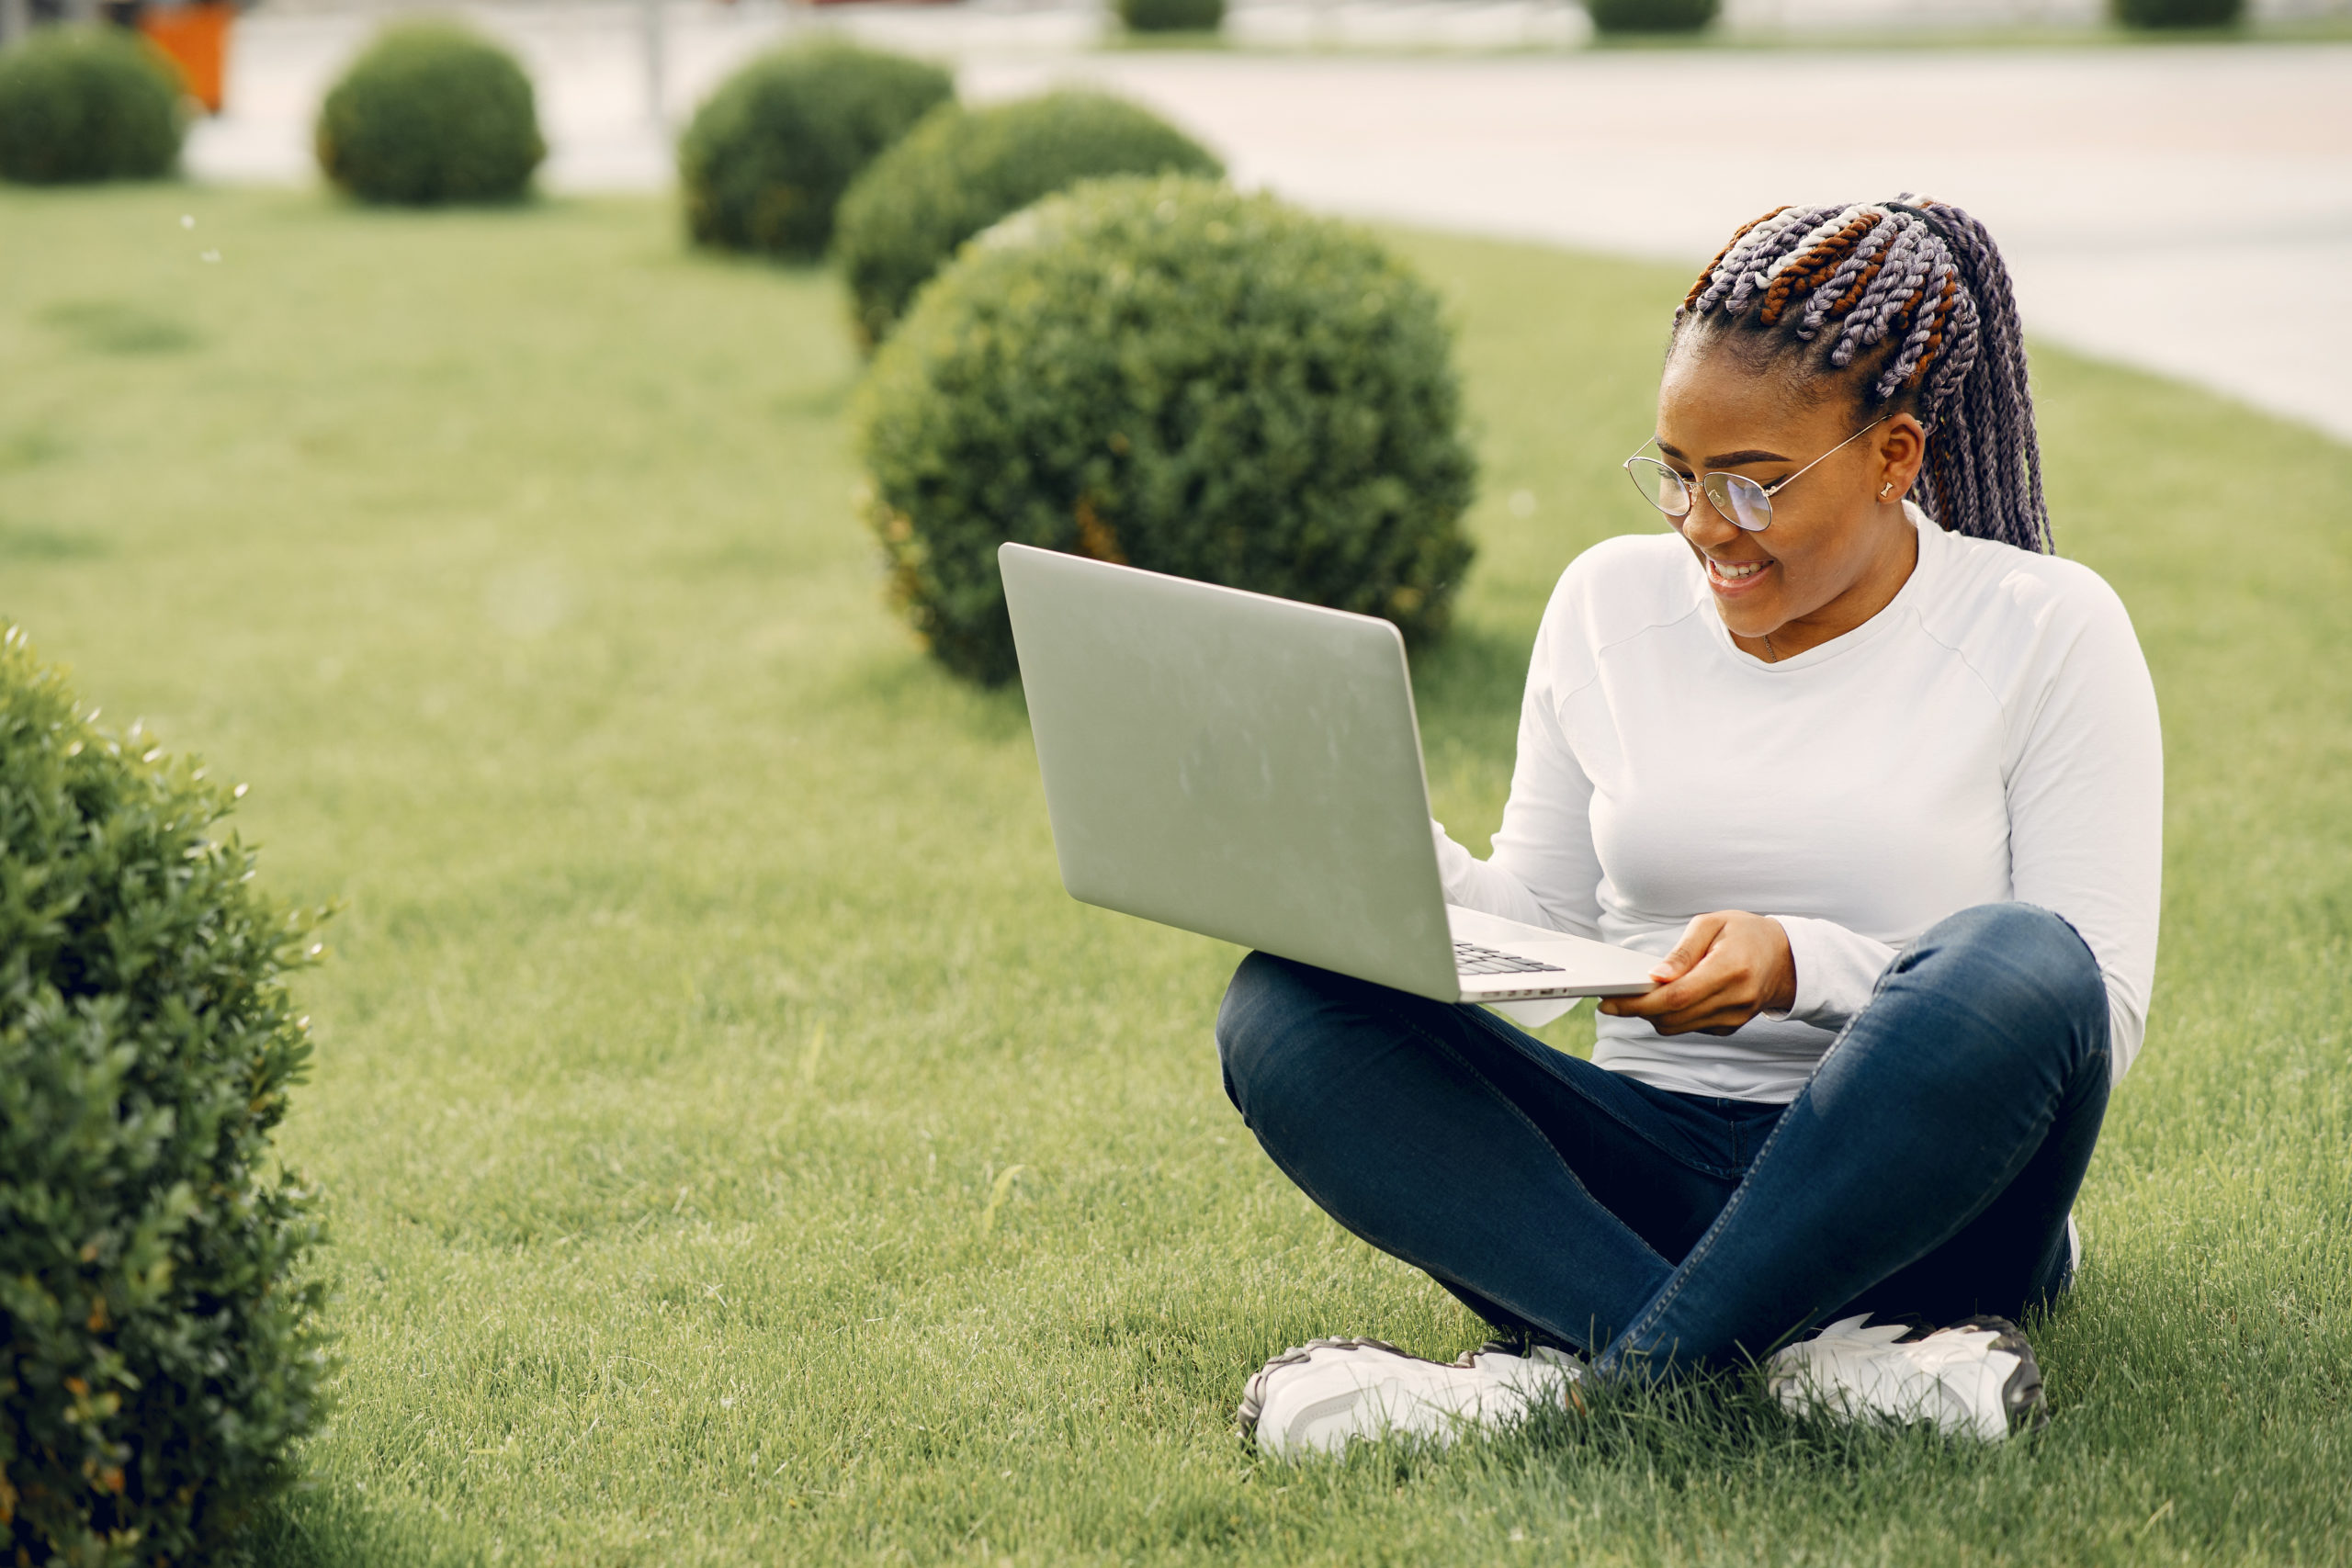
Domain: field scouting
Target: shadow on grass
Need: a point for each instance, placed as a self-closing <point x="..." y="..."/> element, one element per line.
<point x="319" y="1526"/>
<point x="23" y="543"/>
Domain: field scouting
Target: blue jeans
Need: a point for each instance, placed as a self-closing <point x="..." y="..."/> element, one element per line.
<point x="1925" y="1172"/>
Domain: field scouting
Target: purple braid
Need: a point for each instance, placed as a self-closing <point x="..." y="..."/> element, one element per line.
<point x="1915" y="292"/>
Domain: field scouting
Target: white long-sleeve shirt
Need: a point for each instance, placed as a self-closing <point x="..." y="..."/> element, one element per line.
<point x="1990" y="734"/>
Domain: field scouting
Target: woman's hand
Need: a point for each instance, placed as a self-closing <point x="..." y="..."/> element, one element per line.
<point x="1728" y="967"/>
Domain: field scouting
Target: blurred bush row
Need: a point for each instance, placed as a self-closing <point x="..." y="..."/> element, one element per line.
<point x="432" y="113"/>
<point x="1085" y="341"/>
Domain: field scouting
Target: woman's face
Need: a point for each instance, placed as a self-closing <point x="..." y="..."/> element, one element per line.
<point x="1839" y="547"/>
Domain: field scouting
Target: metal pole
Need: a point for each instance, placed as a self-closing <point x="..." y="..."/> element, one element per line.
<point x="16" y="20"/>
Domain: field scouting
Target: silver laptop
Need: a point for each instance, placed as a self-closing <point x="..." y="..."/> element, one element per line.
<point x="1248" y="768"/>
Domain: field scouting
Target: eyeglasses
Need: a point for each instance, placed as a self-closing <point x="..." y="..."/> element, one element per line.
<point x="1740" y="500"/>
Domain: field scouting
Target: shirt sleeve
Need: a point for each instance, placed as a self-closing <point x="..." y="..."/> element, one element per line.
<point x="1545" y="869"/>
<point x="1838" y="970"/>
<point x="2087" y="811"/>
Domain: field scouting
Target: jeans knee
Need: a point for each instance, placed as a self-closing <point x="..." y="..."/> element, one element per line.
<point x="1265" y="1022"/>
<point x="2023" y="955"/>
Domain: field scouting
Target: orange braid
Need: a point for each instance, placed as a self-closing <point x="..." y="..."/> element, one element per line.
<point x="1808" y="271"/>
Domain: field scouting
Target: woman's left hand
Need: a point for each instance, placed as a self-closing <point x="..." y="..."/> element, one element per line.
<point x="1729" y="966"/>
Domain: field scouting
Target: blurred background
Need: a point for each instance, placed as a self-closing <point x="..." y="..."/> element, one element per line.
<point x="2121" y="181"/>
<point x="544" y="458"/>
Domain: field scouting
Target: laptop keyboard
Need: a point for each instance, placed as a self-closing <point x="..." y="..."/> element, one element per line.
<point x="1469" y="958"/>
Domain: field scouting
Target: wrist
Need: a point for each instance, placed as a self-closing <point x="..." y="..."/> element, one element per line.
<point x="1780" y="996"/>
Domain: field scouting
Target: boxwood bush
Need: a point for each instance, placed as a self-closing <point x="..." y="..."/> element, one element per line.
<point x="1651" y="16"/>
<point x="1170" y="374"/>
<point x="83" y="104"/>
<point x="2159" y="13"/>
<point x="160" y="1351"/>
<point x="769" y="154"/>
<point x="431" y="112"/>
<point x="1172" y="15"/>
<point x="961" y="170"/>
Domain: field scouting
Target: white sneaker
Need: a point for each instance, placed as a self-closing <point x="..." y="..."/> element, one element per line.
<point x="1316" y="1397"/>
<point x="1977" y="1376"/>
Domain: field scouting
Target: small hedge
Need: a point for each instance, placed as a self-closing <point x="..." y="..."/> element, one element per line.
<point x="961" y="170"/>
<point x="1167" y="373"/>
<point x="2163" y="14"/>
<point x="1651" y="16"/>
<point x="430" y="113"/>
<point x="85" y="104"/>
<point x="769" y="154"/>
<point x="1172" y="15"/>
<point x="159" y="1354"/>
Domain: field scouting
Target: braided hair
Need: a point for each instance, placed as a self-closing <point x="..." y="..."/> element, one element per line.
<point x="1906" y="301"/>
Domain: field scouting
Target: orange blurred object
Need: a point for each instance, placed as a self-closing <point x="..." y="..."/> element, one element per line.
<point x="196" y="39"/>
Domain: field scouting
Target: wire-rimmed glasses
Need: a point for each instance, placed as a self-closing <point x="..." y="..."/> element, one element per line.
<point x="1741" y="501"/>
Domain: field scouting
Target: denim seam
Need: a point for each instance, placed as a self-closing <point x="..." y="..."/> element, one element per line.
<point x="1718" y="1171"/>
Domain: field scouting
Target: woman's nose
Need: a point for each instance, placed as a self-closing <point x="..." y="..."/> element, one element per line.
<point x="1703" y="526"/>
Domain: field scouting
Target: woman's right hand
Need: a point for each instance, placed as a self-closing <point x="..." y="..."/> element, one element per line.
<point x="1729" y="966"/>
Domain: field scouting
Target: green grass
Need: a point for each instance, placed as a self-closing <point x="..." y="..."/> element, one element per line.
<point x="741" y="1150"/>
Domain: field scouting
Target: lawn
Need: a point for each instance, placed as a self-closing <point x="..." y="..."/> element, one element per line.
<point x="739" y="1148"/>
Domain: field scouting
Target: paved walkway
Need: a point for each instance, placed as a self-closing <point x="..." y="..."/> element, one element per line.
<point x="2184" y="209"/>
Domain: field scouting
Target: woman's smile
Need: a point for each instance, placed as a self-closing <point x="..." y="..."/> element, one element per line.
<point x="1735" y="579"/>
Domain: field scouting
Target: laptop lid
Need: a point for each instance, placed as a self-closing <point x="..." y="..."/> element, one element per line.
<point x="1235" y="764"/>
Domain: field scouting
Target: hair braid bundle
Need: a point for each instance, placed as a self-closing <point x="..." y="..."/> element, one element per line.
<point x="1916" y="291"/>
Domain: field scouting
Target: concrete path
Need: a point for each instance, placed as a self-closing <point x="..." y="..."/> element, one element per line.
<point x="2187" y="209"/>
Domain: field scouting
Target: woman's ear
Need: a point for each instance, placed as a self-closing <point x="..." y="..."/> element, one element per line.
<point x="1902" y="453"/>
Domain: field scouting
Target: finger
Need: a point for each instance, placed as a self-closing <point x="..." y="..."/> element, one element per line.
<point x="1719" y="992"/>
<point x="1697" y="938"/>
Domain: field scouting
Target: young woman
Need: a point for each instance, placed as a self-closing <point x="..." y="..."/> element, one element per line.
<point x="1879" y="780"/>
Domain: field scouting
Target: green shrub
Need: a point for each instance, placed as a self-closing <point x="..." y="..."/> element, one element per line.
<point x="431" y="112"/>
<point x="769" y="154"/>
<point x="1168" y="373"/>
<point x="1172" y="15"/>
<point x="2180" y="13"/>
<point x="83" y="104"/>
<point x="158" y="1354"/>
<point x="1651" y="16"/>
<point x="961" y="170"/>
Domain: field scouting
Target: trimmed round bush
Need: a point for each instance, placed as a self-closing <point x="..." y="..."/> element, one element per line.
<point x="429" y="113"/>
<point x="85" y="104"/>
<point x="1651" y="16"/>
<point x="160" y="1353"/>
<point x="1169" y="374"/>
<point x="961" y="170"/>
<point x="2161" y="14"/>
<point x="1172" y="15"/>
<point x="769" y="154"/>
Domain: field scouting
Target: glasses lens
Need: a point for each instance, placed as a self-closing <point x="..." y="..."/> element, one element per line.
<point x="1740" y="499"/>
<point x="1660" y="486"/>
